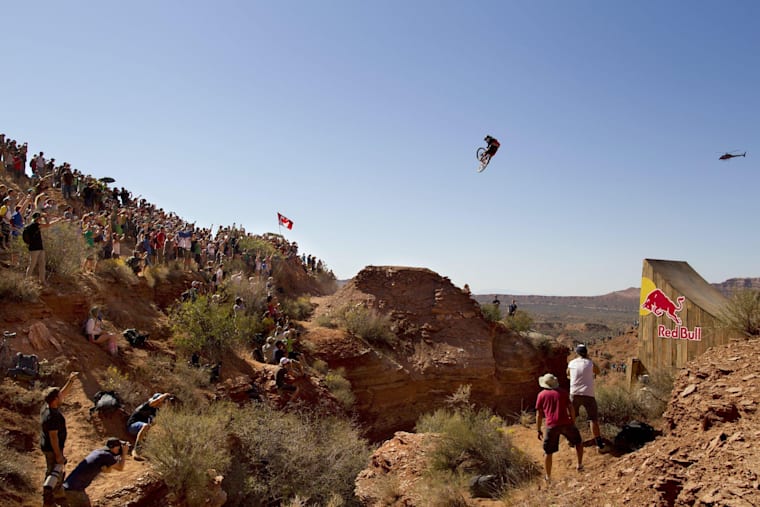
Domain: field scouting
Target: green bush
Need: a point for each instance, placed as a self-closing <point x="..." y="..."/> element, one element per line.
<point x="520" y="322"/>
<point x="327" y="320"/>
<point x="617" y="405"/>
<point x="297" y="309"/>
<point x="368" y="324"/>
<point x="208" y="326"/>
<point x="256" y="246"/>
<point x="284" y="455"/>
<point x="65" y="249"/>
<point x="132" y="393"/>
<point x="654" y="396"/>
<point x="16" y="287"/>
<point x="472" y="441"/>
<point x="742" y="314"/>
<point x="117" y="271"/>
<point x="340" y="387"/>
<point x="184" y="443"/>
<point x="491" y="312"/>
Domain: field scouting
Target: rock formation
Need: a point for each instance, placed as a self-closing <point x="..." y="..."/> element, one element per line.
<point x="443" y="342"/>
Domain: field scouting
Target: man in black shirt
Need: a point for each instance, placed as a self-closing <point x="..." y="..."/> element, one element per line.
<point x="33" y="233"/>
<point x="141" y="419"/>
<point x="53" y="433"/>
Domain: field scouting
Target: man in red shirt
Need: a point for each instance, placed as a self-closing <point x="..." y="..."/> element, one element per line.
<point x="553" y="405"/>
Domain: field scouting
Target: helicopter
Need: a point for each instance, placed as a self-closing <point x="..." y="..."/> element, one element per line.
<point x="727" y="156"/>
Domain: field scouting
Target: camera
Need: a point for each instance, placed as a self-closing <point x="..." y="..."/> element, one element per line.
<point x="51" y="481"/>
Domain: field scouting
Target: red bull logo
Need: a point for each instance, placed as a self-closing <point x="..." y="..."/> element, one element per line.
<point x="660" y="304"/>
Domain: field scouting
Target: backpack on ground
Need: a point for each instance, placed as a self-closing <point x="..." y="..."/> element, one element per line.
<point x="135" y="338"/>
<point x="633" y="436"/>
<point x="27" y="367"/>
<point x="105" y="402"/>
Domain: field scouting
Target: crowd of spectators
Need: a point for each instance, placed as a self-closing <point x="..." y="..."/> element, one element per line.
<point x="115" y="224"/>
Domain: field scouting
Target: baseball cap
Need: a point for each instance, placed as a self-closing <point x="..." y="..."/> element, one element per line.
<point x="581" y="350"/>
<point x="284" y="361"/>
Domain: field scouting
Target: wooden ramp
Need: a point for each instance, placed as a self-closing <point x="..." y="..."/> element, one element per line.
<point x="664" y="343"/>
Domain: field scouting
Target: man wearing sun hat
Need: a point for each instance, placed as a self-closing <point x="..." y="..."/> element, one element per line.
<point x="553" y="405"/>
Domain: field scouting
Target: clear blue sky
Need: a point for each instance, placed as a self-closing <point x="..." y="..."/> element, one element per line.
<point x="359" y="121"/>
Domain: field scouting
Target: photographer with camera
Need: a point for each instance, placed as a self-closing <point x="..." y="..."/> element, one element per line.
<point x="105" y="459"/>
<point x="141" y="419"/>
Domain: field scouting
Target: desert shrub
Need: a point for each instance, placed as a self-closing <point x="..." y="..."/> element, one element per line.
<point x="368" y="324"/>
<point x="155" y="274"/>
<point x="16" y="287"/>
<point x="117" y="271"/>
<point x="491" y="312"/>
<point x="207" y="326"/>
<point x="617" y="405"/>
<point x="320" y="366"/>
<point x="184" y="443"/>
<point x="176" y="377"/>
<point x="297" y="309"/>
<point x="340" y="387"/>
<point x="742" y="314"/>
<point x="131" y="392"/>
<point x="13" y="466"/>
<point x="253" y="292"/>
<point x="653" y="397"/>
<point x="543" y="344"/>
<point x="256" y="246"/>
<point x="442" y="489"/>
<point x="65" y="249"/>
<point x="284" y="455"/>
<point x="472" y="441"/>
<point x="520" y="322"/>
<point x="327" y="320"/>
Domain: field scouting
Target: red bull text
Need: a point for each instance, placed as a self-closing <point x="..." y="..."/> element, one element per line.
<point x="680" y="333"/>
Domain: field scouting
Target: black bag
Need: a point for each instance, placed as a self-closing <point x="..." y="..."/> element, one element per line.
<point x="26" y="236"/>
<point x="105" y="402"/>
<point x="633" y="436"/>
<point x="134" y="337"/>
<point x="27" y="367"/>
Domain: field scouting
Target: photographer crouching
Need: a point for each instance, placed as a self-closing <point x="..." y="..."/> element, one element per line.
<point x="105" y="459"/>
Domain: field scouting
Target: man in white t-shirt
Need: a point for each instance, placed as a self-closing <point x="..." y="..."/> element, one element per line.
<point x="582" y="371"/>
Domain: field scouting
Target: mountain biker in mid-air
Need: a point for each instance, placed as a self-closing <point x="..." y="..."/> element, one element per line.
<point x="493" y="146"/>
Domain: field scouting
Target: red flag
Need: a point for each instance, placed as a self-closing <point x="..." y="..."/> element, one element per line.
<point x="285" y="221"/>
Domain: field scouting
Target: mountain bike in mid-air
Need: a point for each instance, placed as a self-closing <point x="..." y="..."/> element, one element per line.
<point x="484" y="154"/>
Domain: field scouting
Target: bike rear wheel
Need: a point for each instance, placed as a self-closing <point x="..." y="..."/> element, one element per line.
<point x="484" y="159"/>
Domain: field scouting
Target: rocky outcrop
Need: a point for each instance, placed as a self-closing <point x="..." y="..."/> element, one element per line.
<point x="443" y="342"/>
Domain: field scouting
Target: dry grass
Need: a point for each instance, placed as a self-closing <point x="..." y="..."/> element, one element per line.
<point x="16" y="287"/>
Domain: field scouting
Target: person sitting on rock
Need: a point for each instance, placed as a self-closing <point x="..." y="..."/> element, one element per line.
<point x="95" y="334"/>
<point x="288" y="368"/>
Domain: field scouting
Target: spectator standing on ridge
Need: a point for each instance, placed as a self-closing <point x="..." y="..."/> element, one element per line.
<point x="53" y="434"/>
<point x="33" y="233"/>
<point x="105" y="459"/>
<point x="581" y="372"/>
<point x="512" y="308"/>
<point x="553" y="405"/>
<point x="141" y="420"/>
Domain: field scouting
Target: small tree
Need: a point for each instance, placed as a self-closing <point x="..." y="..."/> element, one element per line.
<point x="742" y="314"/>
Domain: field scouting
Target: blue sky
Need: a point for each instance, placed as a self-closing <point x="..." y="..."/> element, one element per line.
<point x="359" y="121"/>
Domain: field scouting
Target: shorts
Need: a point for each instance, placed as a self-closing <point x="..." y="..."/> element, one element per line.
<point x="135" y="427"/>
<point x="589" y="402"/>
<point x="551" y="437"/>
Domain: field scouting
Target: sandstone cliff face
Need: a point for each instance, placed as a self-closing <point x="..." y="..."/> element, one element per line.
<point x="444" y="342"/>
